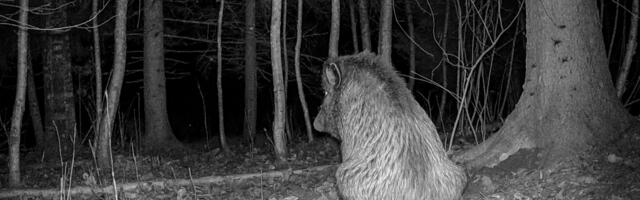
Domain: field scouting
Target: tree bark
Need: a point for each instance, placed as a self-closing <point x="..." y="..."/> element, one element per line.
<point x="59" y="101"/>
<point x="250" y="72"/>
<point x="363" y="10"/>
<point x="158" y="132"/>
<point x="630" y="51"/>
<point x="103" y="151"/>
<point x="18" y="107"/>
<point x="412" y="47"/>
<point x="278" y="86"/>
<point x="569" y="102"/>
<point x="354" y="25"/>
<point x="384" y="36"/>
<point x="223" y="136"/>
<point x="303" y="100"/>
<point x="334" y="34"/>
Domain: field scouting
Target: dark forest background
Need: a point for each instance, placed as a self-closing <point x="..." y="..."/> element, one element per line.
<point x="190" y="61"/>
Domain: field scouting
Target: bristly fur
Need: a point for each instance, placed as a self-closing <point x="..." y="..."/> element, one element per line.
<point x="390" y="148"/>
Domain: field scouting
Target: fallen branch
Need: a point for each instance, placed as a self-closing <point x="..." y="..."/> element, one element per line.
<point x="126" y="187"/>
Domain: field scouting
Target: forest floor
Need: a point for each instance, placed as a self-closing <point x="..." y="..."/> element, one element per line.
<point x="610" y="173"/>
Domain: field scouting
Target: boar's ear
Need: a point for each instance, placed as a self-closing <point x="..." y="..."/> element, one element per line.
<point x="333" y="74"/>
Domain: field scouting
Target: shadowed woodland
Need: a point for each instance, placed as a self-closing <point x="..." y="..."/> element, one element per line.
<point x="188" y="99"/>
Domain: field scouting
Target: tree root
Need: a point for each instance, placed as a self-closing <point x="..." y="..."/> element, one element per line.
<point x="496" y="149"/>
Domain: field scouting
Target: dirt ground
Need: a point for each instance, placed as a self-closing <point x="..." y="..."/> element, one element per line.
<point x="609" y="173"/>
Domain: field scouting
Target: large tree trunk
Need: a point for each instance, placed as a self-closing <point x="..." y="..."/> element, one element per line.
<point x="18" y="107"/>
<point x="334" y="34"/>
<point x="278" y="85"/>
<point x="250" y="72"/>
<point x="568" y="102"/>
<point x="384" y="36"/>
<point x="221" y="133"/>
<point x="59" y="101"/>
<point x="103" y="151"/>
<point x="158" y="133"/>
<point x="303" y="100"/>
<point x="363" y="10"/>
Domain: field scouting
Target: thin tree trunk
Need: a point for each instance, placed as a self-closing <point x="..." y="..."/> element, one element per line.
<point x="412" y="47"/>
<point x="103" y="150"/>
<point x="285" y="61"/>
<point x="445" y="82"/>
<point x="205" y="120"/>
<point x="363" y="10"/>
<point x="354" y="25"/>
<point x="303" y="101"/>
<point x="250" y="72"/>
<point x="384" y="36"/>
<point x="334" y="34"/>
<point x="158" y="132"/>
<point x="34" y="106"/>
<point x="18" y="107"/>
<point x="631" y="50"/>
<point x="614" y="31"/>
<point x="97" y="59"/>
<point x="278" y="86"/>
<point x="223" y="137"/>
<point x="285" y="64"/>
<point x="59" y="101"/>
<point x="460" y="51"/>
